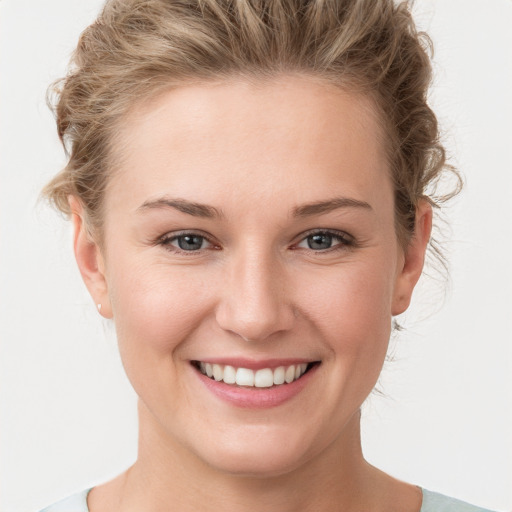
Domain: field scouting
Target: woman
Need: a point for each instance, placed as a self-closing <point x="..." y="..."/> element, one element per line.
<point x="251" y="186"/>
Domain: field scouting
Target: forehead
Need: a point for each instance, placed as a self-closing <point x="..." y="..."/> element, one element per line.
<point x="293" y="135"/>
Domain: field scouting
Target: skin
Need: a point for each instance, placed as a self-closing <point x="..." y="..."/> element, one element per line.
<point x="255" y="152"/>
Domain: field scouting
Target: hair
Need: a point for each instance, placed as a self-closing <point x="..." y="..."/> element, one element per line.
<point x="136" y="49"/>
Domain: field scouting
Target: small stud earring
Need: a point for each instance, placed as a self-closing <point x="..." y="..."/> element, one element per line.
<point x="99" y="307"/>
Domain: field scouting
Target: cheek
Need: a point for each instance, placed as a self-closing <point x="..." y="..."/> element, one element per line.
<point x="356" y="294"/>
<point x="352" y="310"/>
<point x="156" y="307"/>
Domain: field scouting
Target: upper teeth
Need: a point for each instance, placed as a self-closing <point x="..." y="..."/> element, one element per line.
<point x="263" y="378"/>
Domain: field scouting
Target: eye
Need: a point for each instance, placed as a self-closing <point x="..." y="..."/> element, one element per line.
<point x="325" y="240"/>
<point x="185" y="242"/>
<point x="190" y="242"/>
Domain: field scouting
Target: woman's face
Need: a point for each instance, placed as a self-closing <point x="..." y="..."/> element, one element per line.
<point x="250" y="229"/>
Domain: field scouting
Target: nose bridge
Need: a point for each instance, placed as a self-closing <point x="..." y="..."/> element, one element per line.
<point x="255" y="304"/>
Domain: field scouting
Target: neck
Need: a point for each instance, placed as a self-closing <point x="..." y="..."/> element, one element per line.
<point x="166" y="472"/>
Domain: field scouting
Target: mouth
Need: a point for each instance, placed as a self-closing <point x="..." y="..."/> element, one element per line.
<point x="255" y="378"/>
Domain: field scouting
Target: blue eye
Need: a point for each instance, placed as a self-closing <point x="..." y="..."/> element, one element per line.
<point x="325" y="240"/>
<point x="189" y="242"/>
<point x="319" y="241"/>
<point x="185" y="242"/>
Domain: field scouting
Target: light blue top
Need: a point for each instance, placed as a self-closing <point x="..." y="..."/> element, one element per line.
<point x="432" y="502"/>
<point x="75" y="503"/>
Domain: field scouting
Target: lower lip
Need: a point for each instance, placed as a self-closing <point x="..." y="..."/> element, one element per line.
<point x="257" y="398"/>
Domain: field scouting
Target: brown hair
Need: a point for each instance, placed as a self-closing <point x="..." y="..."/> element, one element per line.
<point x="137" y="48"/>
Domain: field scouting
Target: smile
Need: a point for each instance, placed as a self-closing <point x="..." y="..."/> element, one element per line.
<point x="261" y="378"/>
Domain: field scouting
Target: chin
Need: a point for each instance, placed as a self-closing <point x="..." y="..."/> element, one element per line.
<point x="257" y="454"/>
<point x="256" y="465"/>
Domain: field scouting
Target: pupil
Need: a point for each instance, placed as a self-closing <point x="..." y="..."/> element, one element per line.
<point x="190" y="242"/>
<point x="320" y="241"/>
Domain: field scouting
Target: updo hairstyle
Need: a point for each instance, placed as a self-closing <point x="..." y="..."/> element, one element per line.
<point x="137" y="49"/>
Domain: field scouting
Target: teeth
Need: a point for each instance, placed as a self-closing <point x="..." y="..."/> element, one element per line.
<point x="263" y="378"/>
<point x="244" y="377"/>
<point x="229" y="375"/>
<point x="279" y="375"/>
<point x="218" y="372"/>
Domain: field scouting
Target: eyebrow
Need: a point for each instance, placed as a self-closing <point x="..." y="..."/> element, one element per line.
<point x="329" y="205"/>
<point x="182" y="205"/>
<point x="210" y="212"/>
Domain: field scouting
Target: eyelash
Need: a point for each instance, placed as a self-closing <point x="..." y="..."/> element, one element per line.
<point x="167" y="240"/>
<point x="345" y="241"/>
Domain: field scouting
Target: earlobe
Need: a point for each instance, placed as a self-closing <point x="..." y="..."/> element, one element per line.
<point x="89" y="259"/>
<point x="414" y="259"/>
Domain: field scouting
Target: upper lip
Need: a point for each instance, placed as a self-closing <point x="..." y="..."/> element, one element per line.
<point x="252" y="364"/>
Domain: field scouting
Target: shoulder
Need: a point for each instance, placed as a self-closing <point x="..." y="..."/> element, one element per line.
<point x="434" y="502"/>
<point x="75" y="503"/>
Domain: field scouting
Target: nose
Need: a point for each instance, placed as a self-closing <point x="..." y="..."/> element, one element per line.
<point x="255" y="304"/>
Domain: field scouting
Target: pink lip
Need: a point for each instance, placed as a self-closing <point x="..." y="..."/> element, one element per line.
<point x="256" y="398"/>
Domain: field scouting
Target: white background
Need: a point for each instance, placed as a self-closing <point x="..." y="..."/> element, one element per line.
<point x="67" y="412"/>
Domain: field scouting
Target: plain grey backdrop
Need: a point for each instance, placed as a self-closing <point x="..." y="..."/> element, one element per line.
<point x="68" y="416"/>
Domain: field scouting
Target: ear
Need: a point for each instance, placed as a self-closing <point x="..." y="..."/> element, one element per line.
<point x="413" y="260"/>
<point x="89" y="259"/>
